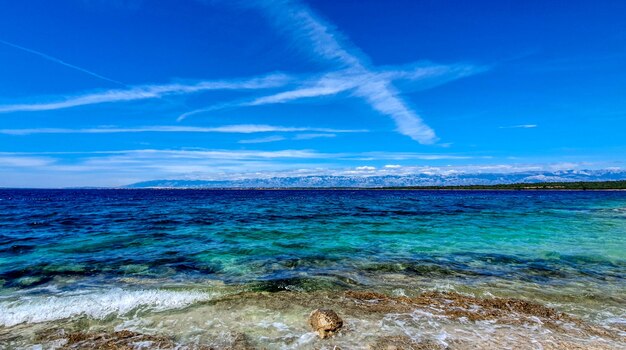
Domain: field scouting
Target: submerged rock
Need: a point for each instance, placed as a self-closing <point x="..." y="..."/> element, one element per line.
<point x="118" y="340"/>
<point x="402" y="342"/>
<point x="325" y="322"/>
<point x="240" y="342"/>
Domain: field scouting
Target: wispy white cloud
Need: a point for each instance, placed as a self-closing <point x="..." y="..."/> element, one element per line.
<point x="264" y="139"/>
<point x="120" y="167"/>
<point x="346" y="80"/>
<point x="306" y="27"/>
<point x="356" y="74"/>
<point x="234" y="129"/>
<point x="143" y="92"/>
<point x="251" y="154"/>
<point x="522" y="126"/>
<point x="327" y="85"/>
<point x="61" y="62"/>
<point x="24" y="161"/>
<point x="312" y="136"/>
<point x="382" y="97"/>
<point x="416" y="156"/>
<point x="361" y="83"/>
<point x="276" y="138"/>
<point x="220" y="154"/>
<point x="314" y="91"/>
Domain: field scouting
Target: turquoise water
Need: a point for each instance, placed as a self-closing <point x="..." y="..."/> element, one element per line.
<point x="566" y="249"/>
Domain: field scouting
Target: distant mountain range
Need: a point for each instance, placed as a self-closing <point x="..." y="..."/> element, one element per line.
<point x="457" y="179"/>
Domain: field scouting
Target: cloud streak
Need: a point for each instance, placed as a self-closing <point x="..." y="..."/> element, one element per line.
<point x="61" y="62"/>
<point x="282" y="138"/>
<point x="231" y="129"/>
<point x="144" y="92"/>
<point x="334" y="83"/>
<point x="522" y="126"/>
<point x="355" y="73"/>
<point x="264" y="139"/>
<point x="251" y="154"/>
<point x="20" y="161"/>
<point x="312" y="136"/>
<point x="121" y="167"/>
<point x="328" y="44"/>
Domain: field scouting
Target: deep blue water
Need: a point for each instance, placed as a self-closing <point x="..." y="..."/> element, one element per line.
<point x="339" y="237"/>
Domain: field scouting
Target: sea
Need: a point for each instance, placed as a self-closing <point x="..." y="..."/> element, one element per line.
<point x="243" y="269"/>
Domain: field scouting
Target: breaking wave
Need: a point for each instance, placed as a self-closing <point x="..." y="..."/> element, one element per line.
<point x="98" y="305"/>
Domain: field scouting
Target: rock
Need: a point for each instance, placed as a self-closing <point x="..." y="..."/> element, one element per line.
<point x="402" y="342"/>
<point x="325" y="322"/>
<point x="118" y="340"/>
<point x="240" y="342"/>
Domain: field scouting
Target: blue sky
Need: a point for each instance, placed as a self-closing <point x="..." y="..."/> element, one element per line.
<point x="106" y="93"/>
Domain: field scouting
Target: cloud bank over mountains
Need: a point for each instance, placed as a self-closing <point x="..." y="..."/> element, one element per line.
<point x="424" y="179"/>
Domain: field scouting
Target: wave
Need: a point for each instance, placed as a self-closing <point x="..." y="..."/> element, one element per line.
<point x="98" y="305"/>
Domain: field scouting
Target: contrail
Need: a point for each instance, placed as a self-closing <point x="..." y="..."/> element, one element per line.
<point x="54" y="59"/>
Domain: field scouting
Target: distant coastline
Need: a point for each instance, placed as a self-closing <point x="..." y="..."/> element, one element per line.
<point x="618" y="185"/>
<point x="525" y="186"/>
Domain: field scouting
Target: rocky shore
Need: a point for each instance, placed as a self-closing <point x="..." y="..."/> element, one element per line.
<point x="348" y="320"/>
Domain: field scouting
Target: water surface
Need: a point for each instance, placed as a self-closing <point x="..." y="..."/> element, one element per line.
<point x="160" y="261"/>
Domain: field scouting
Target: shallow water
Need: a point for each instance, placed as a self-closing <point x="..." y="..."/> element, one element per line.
<point x="174" y="263"/>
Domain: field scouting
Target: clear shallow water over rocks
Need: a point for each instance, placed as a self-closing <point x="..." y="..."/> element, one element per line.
<point x="170" y="263"/>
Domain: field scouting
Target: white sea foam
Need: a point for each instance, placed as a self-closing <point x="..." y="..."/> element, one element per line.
<point x="97" y="304"/>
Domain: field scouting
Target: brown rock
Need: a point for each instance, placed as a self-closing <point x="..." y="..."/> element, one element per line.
<point x="240" y="342"/>
<point x="402" y="342"/>
<point x="325" y="322"/>
<point x="122" y="340"/>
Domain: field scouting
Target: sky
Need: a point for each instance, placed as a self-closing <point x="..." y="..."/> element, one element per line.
<point x="108" y="93"/>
